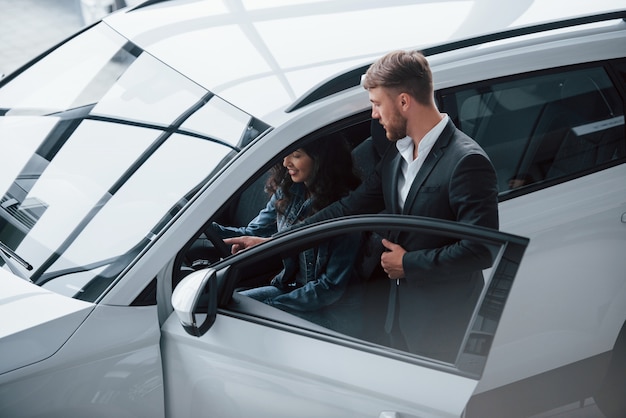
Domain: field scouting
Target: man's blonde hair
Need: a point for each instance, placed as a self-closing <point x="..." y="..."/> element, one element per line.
<point x="404" y="72"/>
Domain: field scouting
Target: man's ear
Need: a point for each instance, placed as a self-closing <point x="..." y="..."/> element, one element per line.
<point x="404" y="101"/>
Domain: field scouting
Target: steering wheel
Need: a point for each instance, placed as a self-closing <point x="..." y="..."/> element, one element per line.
<point x="223" y="250"/>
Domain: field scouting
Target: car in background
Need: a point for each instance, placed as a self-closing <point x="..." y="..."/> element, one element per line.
<point x="124" y="143"/>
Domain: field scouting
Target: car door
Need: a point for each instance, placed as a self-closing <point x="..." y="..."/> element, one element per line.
<point x="225" y="354"/>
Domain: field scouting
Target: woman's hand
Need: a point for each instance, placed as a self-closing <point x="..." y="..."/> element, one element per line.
<point x="241" y="243"/>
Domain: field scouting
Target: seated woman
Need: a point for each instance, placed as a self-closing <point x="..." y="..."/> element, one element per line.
<point x="309" y="179"/>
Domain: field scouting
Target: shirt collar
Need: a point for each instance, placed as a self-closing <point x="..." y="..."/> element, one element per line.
<point x="405" y="145"/>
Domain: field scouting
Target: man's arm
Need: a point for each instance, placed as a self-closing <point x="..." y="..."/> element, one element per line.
<point x="367" y="198"/>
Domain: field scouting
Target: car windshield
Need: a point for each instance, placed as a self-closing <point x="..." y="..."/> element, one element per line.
<point x="102" y="145"/>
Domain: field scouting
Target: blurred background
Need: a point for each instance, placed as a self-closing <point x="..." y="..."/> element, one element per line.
<point x="30" y="27"/>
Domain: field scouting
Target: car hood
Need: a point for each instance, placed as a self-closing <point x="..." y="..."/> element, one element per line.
<point x="35" y="322"/>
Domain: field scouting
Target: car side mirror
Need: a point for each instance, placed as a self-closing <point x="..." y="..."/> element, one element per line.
<point x="195" y="301"/>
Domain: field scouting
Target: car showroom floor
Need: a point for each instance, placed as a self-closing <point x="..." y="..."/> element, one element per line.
<point x="30" y="27"/>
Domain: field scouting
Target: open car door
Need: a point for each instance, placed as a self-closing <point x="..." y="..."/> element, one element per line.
<point x="226" y="354"/>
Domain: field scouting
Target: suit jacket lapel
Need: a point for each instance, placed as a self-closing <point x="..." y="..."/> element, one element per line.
<point x="431" y="161"/>
<point x="394" y="170"/>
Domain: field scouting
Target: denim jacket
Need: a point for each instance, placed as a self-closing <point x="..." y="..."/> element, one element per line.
<point x="317" y="277"/>
<point x="263" y="225"/>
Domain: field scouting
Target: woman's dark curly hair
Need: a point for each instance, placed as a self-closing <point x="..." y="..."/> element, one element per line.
<point x="334" y="175"/>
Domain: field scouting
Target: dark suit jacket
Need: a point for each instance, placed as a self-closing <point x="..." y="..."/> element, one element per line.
<point x="443" y="276"/>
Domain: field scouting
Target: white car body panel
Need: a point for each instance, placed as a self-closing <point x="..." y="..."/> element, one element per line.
<point x="113" y="360"/>
<point x="27" y="336"/>
<point x="577" y="233"/>
<point x="515" y="56"/>
<point x="222" y="368"/>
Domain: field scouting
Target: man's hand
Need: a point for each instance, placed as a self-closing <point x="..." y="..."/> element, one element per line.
<point x="241" y="243"/>
<point x="391" y="260"/>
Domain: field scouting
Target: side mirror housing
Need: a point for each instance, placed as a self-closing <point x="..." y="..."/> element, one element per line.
<point x="195" y="301"/>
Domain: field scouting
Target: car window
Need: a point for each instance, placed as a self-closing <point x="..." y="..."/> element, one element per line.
<point x="103" y="146"/>
<point x="245" y="204"/>
<point x="542" y="128"/>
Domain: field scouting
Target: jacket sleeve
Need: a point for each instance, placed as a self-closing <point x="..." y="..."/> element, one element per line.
<point x="263" y="225"/>
<point x="331" y="284"/>
<point x="367" y="198"/>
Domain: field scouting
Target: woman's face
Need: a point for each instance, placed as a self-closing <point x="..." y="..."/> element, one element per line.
<point x="299" y="165"/>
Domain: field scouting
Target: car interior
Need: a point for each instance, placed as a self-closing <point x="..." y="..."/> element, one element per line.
<point x="368" y="142"/>
<point x="571" y="143"/>
<point x="544" y="128"/>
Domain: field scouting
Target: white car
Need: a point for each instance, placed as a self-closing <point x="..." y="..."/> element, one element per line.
<point x="124" y="143"/>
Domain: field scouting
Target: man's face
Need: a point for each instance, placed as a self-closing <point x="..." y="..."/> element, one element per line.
<point x="385" y="108"/>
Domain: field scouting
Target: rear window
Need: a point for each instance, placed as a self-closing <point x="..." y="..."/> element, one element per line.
<point x="540" y="129"/>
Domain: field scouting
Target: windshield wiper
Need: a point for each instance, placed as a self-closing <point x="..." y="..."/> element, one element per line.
<point x="6" y="253"/>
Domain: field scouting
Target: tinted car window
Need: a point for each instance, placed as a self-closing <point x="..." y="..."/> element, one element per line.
<point x="540" y="128"/>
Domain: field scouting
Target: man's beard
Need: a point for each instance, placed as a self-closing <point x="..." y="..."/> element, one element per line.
<point x="396" y="128"/>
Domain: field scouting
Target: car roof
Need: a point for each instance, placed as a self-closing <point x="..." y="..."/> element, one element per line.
<point x="269" y="55"/>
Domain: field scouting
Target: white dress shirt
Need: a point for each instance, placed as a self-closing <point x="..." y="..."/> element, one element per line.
<point x="409" y="167"/>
